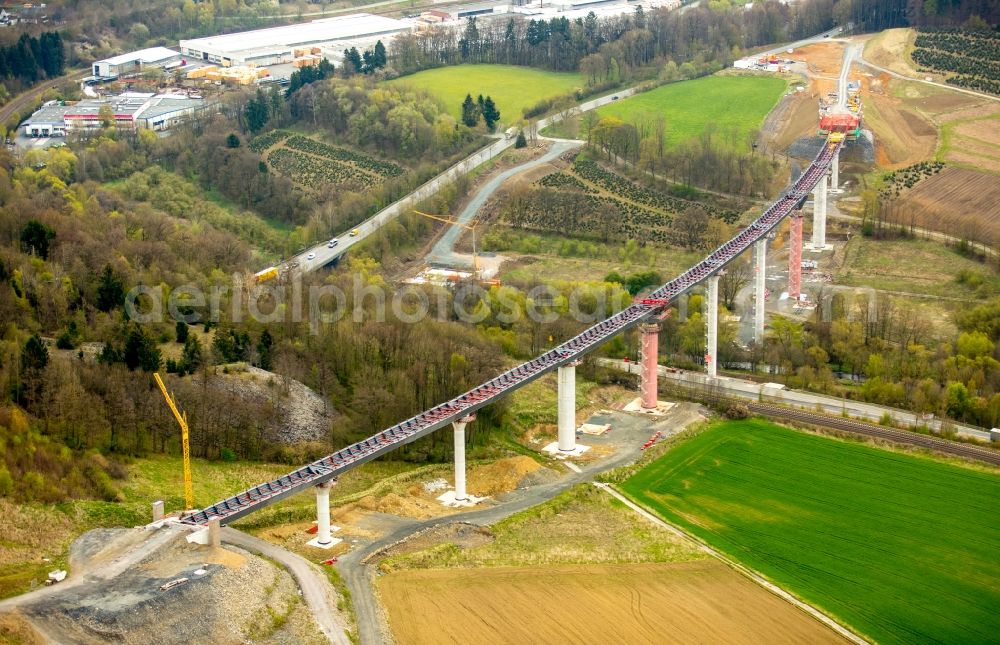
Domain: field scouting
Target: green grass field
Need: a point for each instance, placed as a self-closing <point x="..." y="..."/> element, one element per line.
<point x="730" y="103"/>
<point x="901" y="548"/>
<point x="512" y="88"/>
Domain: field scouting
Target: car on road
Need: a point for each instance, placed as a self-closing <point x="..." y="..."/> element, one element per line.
<point x="354" y="233"/>
<point x="332" y="243"/>
<point x="615" y="97"/>
<point x="311" y="256"/>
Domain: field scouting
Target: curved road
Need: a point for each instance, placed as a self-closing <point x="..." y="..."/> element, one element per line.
<point x="315" y="588"/>
<point x="443" y="250"/>
<point x="325" y="255"/>
<point x="359" y="576"/>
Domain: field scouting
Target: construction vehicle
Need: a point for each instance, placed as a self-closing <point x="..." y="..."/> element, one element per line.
<point x="269" y="273"/>
<point x="448" y="220"/>
<point x="185" y="444"/>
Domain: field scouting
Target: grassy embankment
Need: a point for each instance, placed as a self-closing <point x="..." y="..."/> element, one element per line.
<point x="900" y="547"/>
<point x="916" y="266"/>
<point x="512" y="88"/>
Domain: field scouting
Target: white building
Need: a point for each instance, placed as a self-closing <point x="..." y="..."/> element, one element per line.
<point x="131" y="110"/>
<point x="277" y="45"/>
<point x="133" y="62"/>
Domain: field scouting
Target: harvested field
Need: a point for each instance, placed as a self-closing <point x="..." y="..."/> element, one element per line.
<point x="957" y="201"/>
<point x="701" y="601"/>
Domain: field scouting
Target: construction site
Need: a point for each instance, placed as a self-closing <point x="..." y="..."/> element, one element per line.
<point x="337" y="545"/>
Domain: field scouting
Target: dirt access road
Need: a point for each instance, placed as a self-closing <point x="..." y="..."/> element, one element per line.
<point x="315" y="588"/>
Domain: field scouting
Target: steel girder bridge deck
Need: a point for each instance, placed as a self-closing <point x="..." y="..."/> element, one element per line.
<point x="331" y="466"/>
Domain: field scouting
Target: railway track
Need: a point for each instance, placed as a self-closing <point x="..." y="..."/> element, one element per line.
<point x="970" y="451"/>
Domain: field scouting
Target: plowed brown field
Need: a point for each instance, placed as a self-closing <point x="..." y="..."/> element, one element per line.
<point x="956" y="201"/>
<point x="690" y="602"/>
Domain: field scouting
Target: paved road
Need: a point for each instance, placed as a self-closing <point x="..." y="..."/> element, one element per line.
<point x="773" y="588"/>
<point x="443" y="250"/>
<point x="359" y="577"/>
<point x="953" y="88"/>
<point x="315" y="588"/>
<point x="323" y="254"/>
<point x="795" y="398"/>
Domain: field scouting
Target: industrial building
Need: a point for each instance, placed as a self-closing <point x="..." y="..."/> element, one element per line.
<point x="134" y="62"/>
<point x="132" y="110"/>
<point x="277" y="45"/>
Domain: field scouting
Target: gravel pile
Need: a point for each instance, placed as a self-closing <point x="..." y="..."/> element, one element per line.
<point x="302" y="413"/>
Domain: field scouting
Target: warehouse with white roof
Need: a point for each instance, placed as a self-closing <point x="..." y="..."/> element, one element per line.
<point x="277" y="45"/>
<point x="133" y="62"/>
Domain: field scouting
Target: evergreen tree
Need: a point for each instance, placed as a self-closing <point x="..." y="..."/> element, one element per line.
<point x="232" y="141"/>
<point x="368" y="62"/>
<point x="110" y="290"/>
<point x="470" y="112"/>
<point x="256" y="112"/>
<point x="491" y="115"/>
<point x="264" y="345"/>
<point x="354" y="58"/>
<point x="379" y="57"/>
<point x="520" y="142"/>
<point x="35" y="238"/>
<point x="191" y="357"/>
<point x="181" y="329"/>
<point x="141" y="351"/>
<point x="34" y="359"/>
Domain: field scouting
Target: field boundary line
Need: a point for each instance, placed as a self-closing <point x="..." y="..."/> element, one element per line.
<point x="747" y="572"/>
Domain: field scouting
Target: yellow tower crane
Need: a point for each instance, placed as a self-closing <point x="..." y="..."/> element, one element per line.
<point x="185" y="445"/>
<point x="448" y="220"/>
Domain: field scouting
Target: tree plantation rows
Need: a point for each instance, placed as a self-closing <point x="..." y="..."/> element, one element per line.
<point x="974" y="56"/>
<point x="384" y="168"/>
<point x="597" y="204"/>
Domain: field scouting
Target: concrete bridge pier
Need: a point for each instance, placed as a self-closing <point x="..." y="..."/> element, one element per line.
<point x="819" y="216"/>
<point x="323" y="538"/>
<point x="835" y="172"/>
<point x="712" y="324"/>
<point x="759" y="285"/>
<point x="795" y="256"/>
<point x="650" y="348"/>
<point x="459" y="427"/>
<point x="567" y="407"/>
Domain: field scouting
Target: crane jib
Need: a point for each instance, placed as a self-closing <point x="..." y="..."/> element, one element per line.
<point x="339" y="462"/>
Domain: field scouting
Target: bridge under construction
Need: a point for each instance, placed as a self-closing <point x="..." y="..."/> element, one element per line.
<point x="460" y="410"/>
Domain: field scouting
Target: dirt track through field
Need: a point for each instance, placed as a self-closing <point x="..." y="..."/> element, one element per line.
<point x="691" y="602"/>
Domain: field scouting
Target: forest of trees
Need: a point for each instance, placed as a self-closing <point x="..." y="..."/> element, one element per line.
<point x="32" y="59"/>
